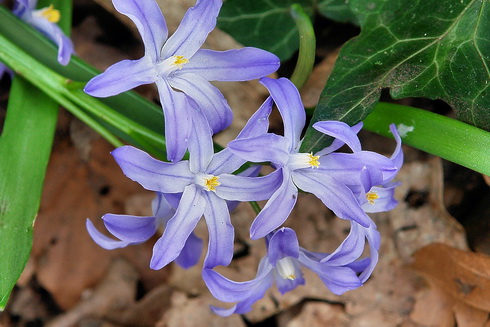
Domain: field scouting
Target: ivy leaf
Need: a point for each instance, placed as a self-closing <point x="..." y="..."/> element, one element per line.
<point x="265" y="24"/>
<point x="417" y="49"/>
<point x="338" y="10"/>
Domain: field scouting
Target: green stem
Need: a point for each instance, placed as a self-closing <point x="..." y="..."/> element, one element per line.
<point x="255" y="206"/>
<point x="307" y="45"/>
<point x="447" y="138"/>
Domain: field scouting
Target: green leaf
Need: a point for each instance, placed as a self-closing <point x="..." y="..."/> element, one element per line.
<point x="440" y="135"/>
<point x="129" y="104"/>
<point x="417" y="49"/>
<point x="338" y="10"/>
<point x="25" y="148"/>
<point x="266" y="24"/>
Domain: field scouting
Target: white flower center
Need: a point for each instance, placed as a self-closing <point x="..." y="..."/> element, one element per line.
<point x="371" y="196"/>
<point x="207" y="182"/>
<point x="171" y="64"/>
<point x="303" y="160"/>
<point x="49" y="13"/>
<point x="286" y="269"/>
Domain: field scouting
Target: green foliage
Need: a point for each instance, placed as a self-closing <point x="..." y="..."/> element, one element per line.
<point x="268" y="24"/>
<point x="265" y="24"/>
<point x="417" y="49"/>
<point x="25" y="148"/>
<point x="338" y="10"/>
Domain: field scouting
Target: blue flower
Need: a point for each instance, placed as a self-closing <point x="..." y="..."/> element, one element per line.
<point x="282" y="265"/>
<point x="45" y="20"/>
<point x="205" y="184"/>
<point x="332" y="177"/>
<point x="178" y="66"/>
<point x="376" y="191"/>
<point x="135" y="230"/>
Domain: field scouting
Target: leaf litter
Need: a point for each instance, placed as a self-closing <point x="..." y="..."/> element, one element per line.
<point x="426" y="275"/>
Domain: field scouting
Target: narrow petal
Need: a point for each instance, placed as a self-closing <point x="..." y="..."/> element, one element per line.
<point x="179" y="227"/>
<point x="55" y="34"/>
<point x="337" y="143"/>
<point x="335" y="195"/>
<point x="397" y="156"/>
<point x="200" y="143"/>
<point x="115" y="79"/>
<point x="221" y="232"/>
<point x="152" y="174"/>
<point x="161" y="208"/>
<point x="191" y="252"/>
<point x="20" y="5"/>
<point x="252" y="171"/>
<point x="148" y="18"/>
<point x="102" y="240"/>
<point x="341" y="131"/>
<point x="350" y="249"/>
<point x="374" y="240"/>
<point x="338" y="279"/>
<point x="233" y="65"/>
<point x="242" y="188"/>
<point x="258" y="124"/>
<point x="276" y="210"/>
<point x="193" y="30"/>
<point x="370" y="176"/>
<point x="173" y="199"/>
<point x="227" y="290"/>
<point x="178" y="121"/>
<point x="207" y="97"/>
<point x="345" y="166"/>
<point x="224" y="162"/>
<point x="283" y="243"/>
<point x="263" y="148"/>
<point x="288" y="101"/>
<point x="130" y="228"/>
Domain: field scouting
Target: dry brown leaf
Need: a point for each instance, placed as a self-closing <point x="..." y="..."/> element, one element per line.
<point x="314" y="314"/>
<point x="433" y="309"/>
<point x="462" y="274"/>
<point x="192" y="312"/>
<point x="66" y="259"/>
<point x="116" y="293"/>
<point x="468" y="316"/>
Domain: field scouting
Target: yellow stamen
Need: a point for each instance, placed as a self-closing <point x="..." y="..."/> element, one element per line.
<point x="51" y="14"/>
<point x="371" y="196"/>
<point x="291" y="277"/>
<point x="313" y="162"/>
<point x="211" y="183"/>
<point x="180" y="61"/>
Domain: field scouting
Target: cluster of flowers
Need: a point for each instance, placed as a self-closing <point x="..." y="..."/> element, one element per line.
<point x="350" y="184"/>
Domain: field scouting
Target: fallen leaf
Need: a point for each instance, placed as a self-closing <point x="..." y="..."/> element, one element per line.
<point x="116" y="293"/>
<point x="462" y="274"/>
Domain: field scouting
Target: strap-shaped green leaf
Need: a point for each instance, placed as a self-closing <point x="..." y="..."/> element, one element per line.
<point x="25" y="148"/>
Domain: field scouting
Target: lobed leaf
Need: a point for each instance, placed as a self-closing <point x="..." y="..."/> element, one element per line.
<point x="265" y="24"/>
<point x="417" y="49"/>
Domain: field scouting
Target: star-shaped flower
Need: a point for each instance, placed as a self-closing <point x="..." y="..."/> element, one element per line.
<point x="205" y="183"/>
<point x="178" y="66"/>
<point x="329" y="176"/>
<point x="282" y="265"/>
